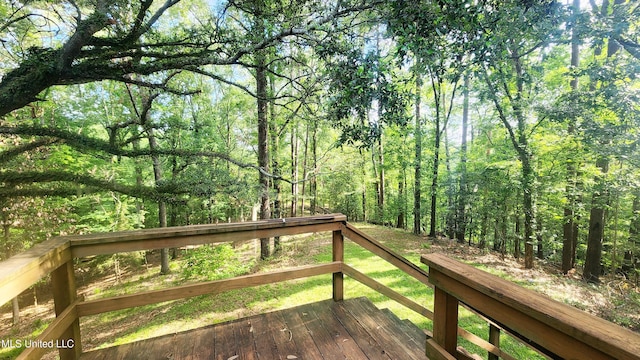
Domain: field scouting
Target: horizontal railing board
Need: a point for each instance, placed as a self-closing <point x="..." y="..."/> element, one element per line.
<point x="205" y="229"/>
<point x="21" y="271"/>
<point x="546" y="339"/>
<point x="503" y="295"/>
<point x="99" y="306"/>
<point x="82" y="248"/>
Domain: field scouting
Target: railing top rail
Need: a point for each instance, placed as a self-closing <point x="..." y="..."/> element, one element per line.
<point x="25" y="269"/>
<point x="205" y="229"/>
<point x="589" y="329"/>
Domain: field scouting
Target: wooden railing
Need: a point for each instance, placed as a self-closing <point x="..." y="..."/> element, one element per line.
<point x="555" y="329"/>
<point x="56" y="256"/>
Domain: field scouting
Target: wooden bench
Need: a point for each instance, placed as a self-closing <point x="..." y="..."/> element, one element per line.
<point x="555" y="329"/>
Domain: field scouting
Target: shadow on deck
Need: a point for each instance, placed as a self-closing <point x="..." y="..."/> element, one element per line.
<point x="351" y="329"/>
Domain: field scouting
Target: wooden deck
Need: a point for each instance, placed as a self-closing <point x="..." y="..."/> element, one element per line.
<point x="349" y="329"/>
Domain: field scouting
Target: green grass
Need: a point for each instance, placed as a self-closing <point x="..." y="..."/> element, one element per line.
<point x="12" y="352"/>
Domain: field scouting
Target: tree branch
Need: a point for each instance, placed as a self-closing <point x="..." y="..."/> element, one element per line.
<point x="83" y="143"/>
<point x="7" y="155"/>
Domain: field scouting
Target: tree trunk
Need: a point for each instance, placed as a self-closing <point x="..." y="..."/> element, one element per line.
<point x="529" y="216"/>
<point x="592" y="263"/>
<point x="417" y="195"/>
<point x="630" y="256"/>
<point x="540" y="249"/>
<point x="381" y="179"/>
<point x="147" y="101"/>
<point x="519" y="140"/>
<point x="401" y="222"/>
<point x="162" y="206"/>
<point x="462" y="186"/>
<point x="294" y="170"/>
<point x="376" y="183"/>
<point x="451" y="208"/>
<point x="517" y="239"/>
<point x="305" y="171"/>
<point x="592" y="266"/>
<point x="441" y="120"/>
<point x="484" y="229"/>
<point x="634" y="228"/>
<point x="139" y="182"/>
<point x="275" y="147"/>
<point x="436" y="163"/>
<point x="570" y="227"/>
<point x="263" y="150"/>
<point x="364" y="190"/>
<point x="313" y="185"/>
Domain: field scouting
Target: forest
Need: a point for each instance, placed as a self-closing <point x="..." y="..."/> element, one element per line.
<point x="509" y="125"/>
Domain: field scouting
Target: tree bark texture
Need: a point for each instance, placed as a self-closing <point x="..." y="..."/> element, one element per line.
<point x="592" y="262"/>
<point x="436" y="85"/>
<point x="294" y="170"/>
<point x="461" y="221"/>
<point x="570" y="226"/>
<point x="147" y="101"/>
<point x="275" y="147"/>
<point x="417" y="195"/>
<point x="381" y="179"/>
<point x="263" y="149"/>
<point x="313" y="185"/>
<point x="600" y="198"/>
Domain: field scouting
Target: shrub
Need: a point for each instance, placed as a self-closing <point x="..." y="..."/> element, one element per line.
<point x="214" y="262"/>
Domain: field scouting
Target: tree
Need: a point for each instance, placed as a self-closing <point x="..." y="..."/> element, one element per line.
<point x="506" y="77"/>
<point x="417" y="186"/>
<point x="600" y="198"/>
<point x="570" y="226"/>
<point x="461" y="221"/>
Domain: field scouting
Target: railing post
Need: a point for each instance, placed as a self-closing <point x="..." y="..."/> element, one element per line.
<point x="445" y="321"/>
<point x="63" y="284"/>
<point x="494" y="339"/>
<point x="338" y="255"/>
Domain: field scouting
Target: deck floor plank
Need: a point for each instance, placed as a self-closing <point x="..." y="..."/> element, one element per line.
<point x="326" y="330"/>
<point x="306" y="341"/>
<point x="322" y="338"/>
<point x="359" y="334"/>
<point x="204" y="344"/>
<point x="264" y="343"/>
<point x="341" y="336"/>
<point x="382" y="329"/>
<point x="225" y="344"/>
<point x="245" y="341"/>
<point x="282" y="336"/>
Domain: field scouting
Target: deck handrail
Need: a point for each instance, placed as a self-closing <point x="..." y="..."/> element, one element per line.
<point x="25" y="269"/>
<point x="55" y="257"/>
<point x="557" y="329"/>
